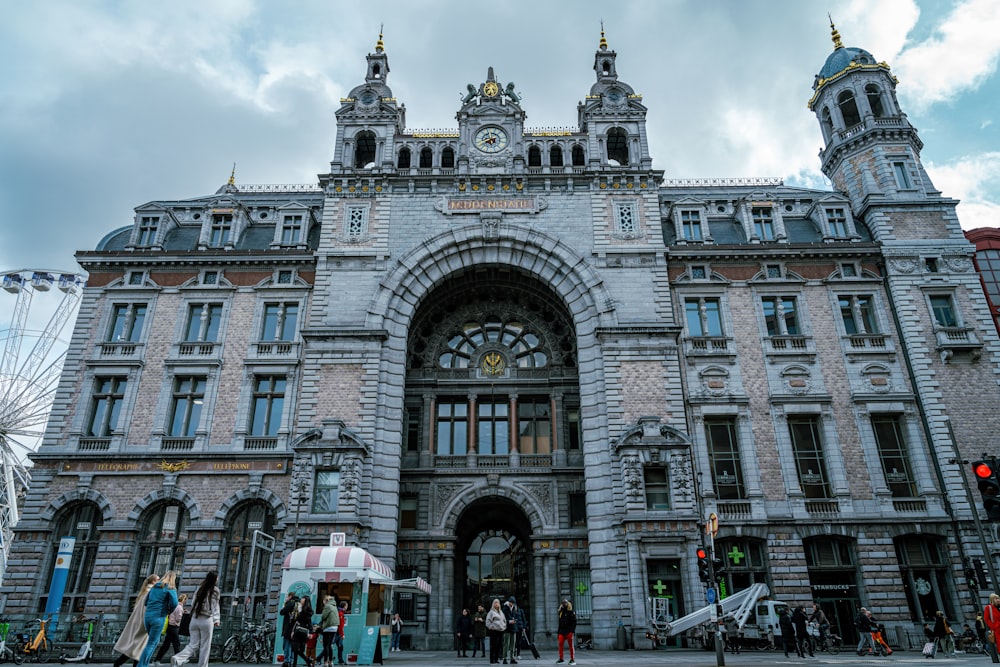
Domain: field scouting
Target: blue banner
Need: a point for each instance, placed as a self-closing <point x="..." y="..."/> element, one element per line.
<point x="59" y="575"/>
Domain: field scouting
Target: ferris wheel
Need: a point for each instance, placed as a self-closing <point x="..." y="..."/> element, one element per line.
<point x="29" y="373"/>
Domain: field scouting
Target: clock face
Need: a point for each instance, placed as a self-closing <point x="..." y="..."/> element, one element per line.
<point x="367" y="97"/>
<point x="491" y="140"/>
<point x="490" y="89"/>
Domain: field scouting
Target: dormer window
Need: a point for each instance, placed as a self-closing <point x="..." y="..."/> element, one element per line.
<point x="149" y="225"/>
<point x="291" y="230"/>
<point x="691" y="226"/>
<point x="763" y="222"/>
<point x="836" y="219"/>
<point x="222" y="230"/>
<point x="617" y="146"/>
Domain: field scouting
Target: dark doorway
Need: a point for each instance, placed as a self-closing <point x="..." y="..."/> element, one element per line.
<point x="492" y="557"/>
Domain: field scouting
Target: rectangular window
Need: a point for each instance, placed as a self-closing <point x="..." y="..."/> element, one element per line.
<point x="858" y="314"/>
<point x="572" y="428"/>
<point x="534" y="425"/>
<point x="357" y="221"/>
<point x="581" y="593"/>
<point x="326" y="491"/>
<point x="944" y="310"/>
<point x="577" y="510"/>
<point x="413" y="416"/>
<point x="780" y="316"/>
<point x="704" y="317"/>
<point x="763" y="222"/>
<point x="626" y="218"/>
<point x="724" y="454"/>
<point x="894" y="456"/>
<point x="185" y="411"/>
<point x="837" y="220"/>
<point x="291" y="230"/>
<point x="691" y="225"/>
<point x="126" y="322"/>
<point x="280" y="320"/>
<point x="148" y="226"/>
<point x="807" y="448"/>
<point x="657" y="488"/>
<point x="203" y="323"/>
<point x="452" y="428"/>
<point x="493" y="428"/>
<point x="222" y="229"/>
<point x="902" y="178"/>
<point x="106" y="405"/>
<point x="268" y="404"/>
<point x="407" y="512"/>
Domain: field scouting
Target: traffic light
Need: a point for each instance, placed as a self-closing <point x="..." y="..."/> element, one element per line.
<point x="719" y="569"/>
<point x="988" y="478"/>
<point x="703" y="565"/>
<point x="971" y="580"/>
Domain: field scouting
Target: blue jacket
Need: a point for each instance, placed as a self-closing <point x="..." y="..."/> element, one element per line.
<point x="160" y="601"/>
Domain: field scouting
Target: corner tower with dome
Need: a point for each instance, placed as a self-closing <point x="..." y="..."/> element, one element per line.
<point x="520" y="362"/>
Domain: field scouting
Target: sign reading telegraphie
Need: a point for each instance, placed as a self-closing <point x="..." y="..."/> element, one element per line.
<point x="452" y="205"/>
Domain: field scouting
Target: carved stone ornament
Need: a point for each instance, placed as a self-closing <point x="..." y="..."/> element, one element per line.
<point x="902" y="265"/>
<point x="958" y="264"/>
<point x="491" y="225"/>
<point x="632" y="478"/>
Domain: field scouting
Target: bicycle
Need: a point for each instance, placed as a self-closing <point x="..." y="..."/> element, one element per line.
<point x="40" y="647"/>
<point x="12" y="652"/>
<point x="829" y="642"/>
<point x="252" y="644"/>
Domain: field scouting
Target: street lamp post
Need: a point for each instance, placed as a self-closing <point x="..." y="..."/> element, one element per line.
<point x="298" y="493"/>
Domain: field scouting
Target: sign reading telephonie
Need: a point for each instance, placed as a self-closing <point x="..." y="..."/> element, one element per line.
<point x="452" y="205"/>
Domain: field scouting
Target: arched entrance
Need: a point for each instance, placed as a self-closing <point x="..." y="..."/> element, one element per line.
<point x="492" y="555"/>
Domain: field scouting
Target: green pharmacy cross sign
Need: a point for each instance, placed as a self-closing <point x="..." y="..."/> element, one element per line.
<point x="735" y="555"/>
<point x="659" y="587"/>
<point x="581" y="588"/>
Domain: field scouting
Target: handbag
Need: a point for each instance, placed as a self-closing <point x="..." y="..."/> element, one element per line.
<point x="991" y="637"/>
<point x="300" y="632"/>
<point x="184" y="629"/>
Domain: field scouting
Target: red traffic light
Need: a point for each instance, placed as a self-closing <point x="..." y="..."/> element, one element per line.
<point x="701" y="553"/>
<point x="982" y="469"/>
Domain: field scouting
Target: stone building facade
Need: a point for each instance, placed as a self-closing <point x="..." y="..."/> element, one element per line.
<point x="520" y="362"/>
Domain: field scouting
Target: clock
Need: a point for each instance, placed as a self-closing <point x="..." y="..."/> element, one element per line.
<point x="490" y="89"/>
<point x="615" y="96"/>
<point x="368" y="97"/>
<point x="491" y="139"/>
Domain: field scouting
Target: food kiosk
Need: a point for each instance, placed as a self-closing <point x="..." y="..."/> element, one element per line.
<point x="351" y="574"/>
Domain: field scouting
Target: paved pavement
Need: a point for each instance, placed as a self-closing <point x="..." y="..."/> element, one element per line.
<point x="687" y="657"/>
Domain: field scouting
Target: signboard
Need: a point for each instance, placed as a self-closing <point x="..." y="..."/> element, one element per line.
<point x="710" y="595"/>
<point x="369" y="638"/>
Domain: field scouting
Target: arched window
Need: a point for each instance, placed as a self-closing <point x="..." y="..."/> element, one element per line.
<point x="448" y="158"/>
<point x="924" y="564"/>
<point x="606" y="67"/>
<point x="376" y="72"/>
<point x="555" y="156"/>
<point x="163" y="533"/>
<point x="848" y="109"/>
<point x="426" y="158"/>
<point x="364" y="149"/>
<point x="524" y="346"/>
<point x="534" y="156"/>
<point x="618" y="146"/>
<point x="247" y="557"/>
<point x="826" y="124"/>
<point x="82" y="521"/>
<point x="579" y="158"/>
<point x="874" y="96"/>
<point x="403" y="161"/>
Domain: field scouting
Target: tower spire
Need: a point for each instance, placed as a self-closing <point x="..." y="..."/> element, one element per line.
<point x="604" y="42"/>
<point x="232" y="175"/>
<point x="379" y="46"/>
<point x="834" y="35"/>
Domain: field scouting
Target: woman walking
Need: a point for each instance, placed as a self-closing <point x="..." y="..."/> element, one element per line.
<point x="205" y="617"/>
<point x="496" y="626"/>
<point x="301" y="630"/>
<point x="133" y="637"/>
<point x="160" y="601"/>
<point x="330" y="624"/>
<point x="173" y="637"/>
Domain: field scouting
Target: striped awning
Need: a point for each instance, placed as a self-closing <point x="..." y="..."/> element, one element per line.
<point x="417" y="584"/>
<point x="339" y="563"/>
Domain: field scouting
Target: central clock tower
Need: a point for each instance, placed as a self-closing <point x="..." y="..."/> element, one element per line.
<point x="491" y="129"/>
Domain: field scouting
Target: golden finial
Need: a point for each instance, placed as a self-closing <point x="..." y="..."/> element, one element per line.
<point x="837" y="44"/>
<point x="232" y="176"/>
<point x="604" y="42"/>
<point x="379" y="46"/>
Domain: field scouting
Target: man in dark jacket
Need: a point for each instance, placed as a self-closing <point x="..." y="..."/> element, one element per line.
<point x="510" y="637"/>
<point x="801" y="623"/>
<point x="787" y="630"/>
<point x="287" y="615"/>
<point x="864" y="625"/>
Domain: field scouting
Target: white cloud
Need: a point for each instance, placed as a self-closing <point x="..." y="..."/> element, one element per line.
<point x="971" y="179"/>
<point x="959" y="56"/>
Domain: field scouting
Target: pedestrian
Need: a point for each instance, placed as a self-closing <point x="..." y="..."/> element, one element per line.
<point x="566" y="628"/>
<point x="172" y="638"/>
<point x="311" y="645"/>
<point x="205" y="617"/>
<point x="864" y="626"/>
<point x="287" y="615"/>
<point x="301" y="630"/>
<point x="133" y="638"/>
<point x="944" y="634"/>
<point x="991" y="618"/>
<point x="801" y="623"/>
<point x="733" y="634"/>
<point x="479" y="631"/>
<point x="496" y="627"/>
<point x="787" y="630"/>
<point x="819" y="618"/>
<point x="330" y="625"/>
<point x="510" y="634"/>
<point x="342" y="613"/>
<point x="981" y="629"/>
<point x="463" y="633"/>
<point x="397" y="631"/>
<point x="160" y="601"/>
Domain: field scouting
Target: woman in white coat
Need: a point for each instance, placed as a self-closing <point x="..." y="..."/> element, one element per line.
<point x="205" y="617"/>
<point x="133" y="638"/>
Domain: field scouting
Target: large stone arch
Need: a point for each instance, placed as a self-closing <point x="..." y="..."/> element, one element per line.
<point x="243" y="495"/>
<point x="161" y="495"/>
<point x="79" y="495"/>
<point x="452" y="512"/>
